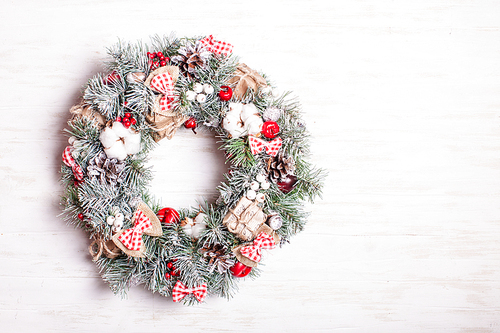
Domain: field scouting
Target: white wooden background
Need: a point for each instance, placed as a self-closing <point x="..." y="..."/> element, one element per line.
<point x="403" y="101"/>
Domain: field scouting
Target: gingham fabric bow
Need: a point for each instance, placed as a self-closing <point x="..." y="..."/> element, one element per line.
<point x="263" y="241"/>
<point x="216" y="46"/>
<point x="132" y="238"/>
<point x="163" y="83"/>
<point x="70" y="161"/>
<point x="180" y="291"/>
<point x="257" y="145"/>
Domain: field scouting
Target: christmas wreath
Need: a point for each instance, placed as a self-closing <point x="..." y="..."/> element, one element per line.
<point x="148" y="93"/>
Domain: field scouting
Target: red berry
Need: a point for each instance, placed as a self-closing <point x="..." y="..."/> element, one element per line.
<point x="167" y="59"/>
<point x="80" y="216"/>
<point x="155" y="54"/>
<point x="133" y="121"/>
<point x="125" y="103"/>
<point x="128" y="115"/>
<point x="126" y="123"/>
<point x="170" y="265"/>
<point x="167" y="276"/>
<point x="160" y="55"/>
<point x="191" y="123"/>
<point x="240" y="270"/>
<point x="118" y="119"/>
<point x="163" y="63"/>
<point x="270" y="129"/>
<point x="174" y="260"/>
<point x="150" y="55"/>
<point x="176" y="273"/>
<point x="225" y="93"/>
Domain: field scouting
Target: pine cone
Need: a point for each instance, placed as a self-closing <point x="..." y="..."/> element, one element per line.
<point x="218" y="257"/>
<point x="107" y="170"/>
<point x="190" y="57"/>
<point x="280" y="167"/>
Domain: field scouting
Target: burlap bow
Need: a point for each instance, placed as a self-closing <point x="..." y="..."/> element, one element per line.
<point x="245" y="78"/>
<point x="162" y="119"/>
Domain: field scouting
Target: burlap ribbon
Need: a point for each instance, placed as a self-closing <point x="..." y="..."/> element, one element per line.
<point x="245" y="78"/>
<point x="82" y="110"/>
<point x="165" y="123"/>
<point x="100" y="247"/>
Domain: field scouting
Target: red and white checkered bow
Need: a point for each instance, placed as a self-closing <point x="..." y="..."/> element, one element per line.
<point x="163" y="83"/>
<point x="216" y="46"/>
<point x="257" y="145"/>
<point x="70" y="161"/>
<point x="180" y="291"/>
<point x="263" y="241"/>
<point x="132" y="238"/>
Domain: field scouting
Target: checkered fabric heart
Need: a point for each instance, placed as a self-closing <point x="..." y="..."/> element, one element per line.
<point x="132" y="238"/>
<point x="164" y="84"/>
<point x="70" y="161"/>
<point x="180" y="291"/>
<point x="257" y="145"/>
<point x="262" y="242"/>
<point x="216" y="46"/>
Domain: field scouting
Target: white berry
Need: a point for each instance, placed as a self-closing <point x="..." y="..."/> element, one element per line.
<point x="198" y="88"/>
<point x="208" y="89"/>
<point x="254" y="185"/>
<point x="110" y="220"/>
<point x="251" y="194"/>
<point x="260" y="178"/>
<point x="190" y="95"/>
<point x="260" y="197"/>
<point x="201" y="98"/>
<point x="265" y="185"/>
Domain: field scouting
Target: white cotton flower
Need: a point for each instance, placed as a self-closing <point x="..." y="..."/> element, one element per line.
<point x="119" y="141"/>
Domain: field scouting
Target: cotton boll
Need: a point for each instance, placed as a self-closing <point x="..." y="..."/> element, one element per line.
<point x="120" y="130"/>
<point x="199" y="225"/>
<point x="248" y="111"/>
<point x="233" y="125"/>
<point x="133" y="143"/>
<point x="108" y="137"/>
<point x="116" y="151"/>
<point x="253" y="125"/>
<point x="235" y="107"/>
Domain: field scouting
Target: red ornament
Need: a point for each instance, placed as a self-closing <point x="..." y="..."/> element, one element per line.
<point x="191" y="123"/>
<point x="270" y="129"/>
<point x="170" y="265"/>
<point x="288" y="184"/>
<point x="111" y="78"/>
<point x="133" y="121"/>
<point x="80" y="216"/>
<point x="240" y="270"/>
<point x="168" y="215"/>
<point x="167" y="276"/>
<point x="225" y="93"/>
<point x="127" y="115"/>
<point x="160" y="55"/>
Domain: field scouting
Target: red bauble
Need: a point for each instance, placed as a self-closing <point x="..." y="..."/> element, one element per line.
<point x="288" y="184"/>
<point x="191" y="123"/>
<point x="80" y="216"/>
<point x="270" y="129"/>
<point x="240" y="270"/>
<point x="225" y="93"/>
<point x="168" y="215"/>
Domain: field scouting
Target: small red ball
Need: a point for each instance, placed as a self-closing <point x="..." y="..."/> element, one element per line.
<point x="163" y="63"/>
<point x="133" y="121"/>
<point x="240" y="270"/>
<point x="168" y="215"/>
<point x="225" y="93"/>
<point x="167" y="59"/>
<point x="126" y="123"/>
<point x="160" y="54"/>
<point x="118" y="119"/>
<point x="80" y="216"/>
<point x="270" y="129"/>
<point x="128" y="115"/>
<point x="170" y="265"/>
<point x="167" y="276"/>
<point x="288" y="184"/>
<point x="150" y="55"/>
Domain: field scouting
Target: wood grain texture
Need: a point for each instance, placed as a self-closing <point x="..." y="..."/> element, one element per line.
<point x="403" y="101"/>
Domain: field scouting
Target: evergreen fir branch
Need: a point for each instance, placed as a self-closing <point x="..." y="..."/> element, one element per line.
<point x="107" y="98"/>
